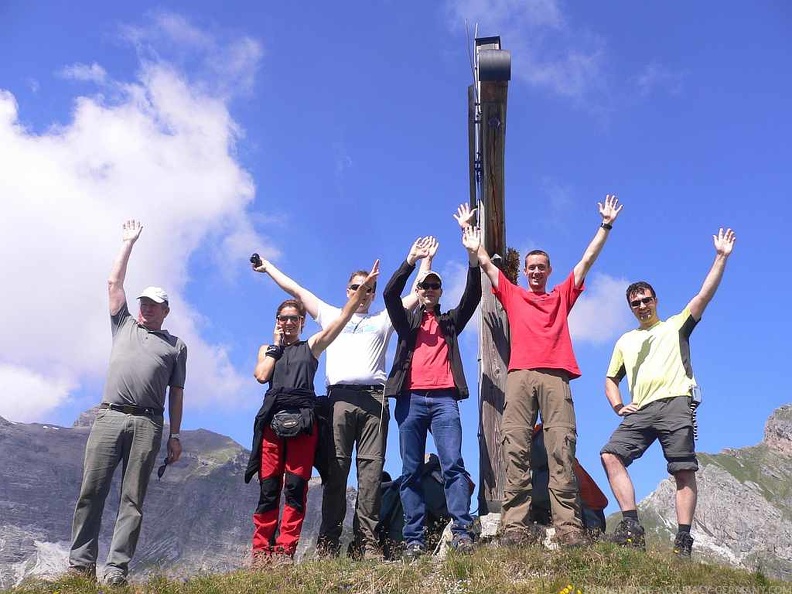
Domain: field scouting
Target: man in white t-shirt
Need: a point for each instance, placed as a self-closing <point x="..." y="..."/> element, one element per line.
<point x="355" y="378"/>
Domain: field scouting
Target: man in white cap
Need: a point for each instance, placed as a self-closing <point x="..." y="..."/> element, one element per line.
<point x="145" y="362"/>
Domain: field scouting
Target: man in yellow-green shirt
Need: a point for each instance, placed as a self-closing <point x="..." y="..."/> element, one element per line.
<point x="655" y="359"/>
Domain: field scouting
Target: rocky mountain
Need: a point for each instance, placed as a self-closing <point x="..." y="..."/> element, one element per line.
<point x="744" y="513"/>
<point x="197" y="518"/>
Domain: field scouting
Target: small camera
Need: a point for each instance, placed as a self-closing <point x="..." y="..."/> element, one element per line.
<point x="255" y="259"/>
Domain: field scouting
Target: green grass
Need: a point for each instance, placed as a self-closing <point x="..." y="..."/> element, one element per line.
<point x="601" y="568"/>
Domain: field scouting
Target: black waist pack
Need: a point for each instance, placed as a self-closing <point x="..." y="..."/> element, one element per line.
<point x="287" y="423"/>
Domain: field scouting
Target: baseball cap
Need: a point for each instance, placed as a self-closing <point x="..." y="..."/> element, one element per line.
<point x="424" y="273"/>
<point x="156" y="294"/>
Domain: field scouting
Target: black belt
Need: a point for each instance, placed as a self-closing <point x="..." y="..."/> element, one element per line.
<point x="131" y="409"/>
<point x="358" y="387"/>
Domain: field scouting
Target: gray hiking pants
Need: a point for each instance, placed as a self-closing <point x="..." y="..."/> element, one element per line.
<point x="115" y="437"/>
<point x="359" y="417"/>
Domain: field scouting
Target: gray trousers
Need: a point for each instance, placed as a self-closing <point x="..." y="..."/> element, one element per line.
<point x="359" y="417"/>
<point x="133" y="440"/>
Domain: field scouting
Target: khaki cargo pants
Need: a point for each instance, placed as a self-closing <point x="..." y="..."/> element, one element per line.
<point x="529" y="392"/>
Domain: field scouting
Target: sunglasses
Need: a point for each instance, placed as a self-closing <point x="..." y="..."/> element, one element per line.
<point x="161" y="469"/>
<point x="284" y="318"/>
<point x="426" y="286"/>
<point x="635" y="303"/>
<point x="355" y="287"/>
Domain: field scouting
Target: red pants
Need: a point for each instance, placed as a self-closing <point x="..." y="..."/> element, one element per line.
<point x="285" y="465"/>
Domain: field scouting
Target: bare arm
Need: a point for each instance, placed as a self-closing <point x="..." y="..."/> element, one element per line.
<point x="464" y="217"/>
<point x="322" y="339"/>
<point x="175" y="407"/>
<point x="115" y="283"/>
<point x="290" y="286"/>
<point x="614" y="396"/>
<point x="264" y="364"/>
<point x="724" y="244"/>
<point x="608" y="211"/>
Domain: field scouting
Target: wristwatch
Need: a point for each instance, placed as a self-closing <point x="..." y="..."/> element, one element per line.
<point x="174" y="436"/>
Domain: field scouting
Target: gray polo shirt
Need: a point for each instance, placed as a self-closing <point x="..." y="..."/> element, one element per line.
<point x="143" y="363"/>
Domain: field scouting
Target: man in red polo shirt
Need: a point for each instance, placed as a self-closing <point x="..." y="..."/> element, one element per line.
<point x="541" y="365"/>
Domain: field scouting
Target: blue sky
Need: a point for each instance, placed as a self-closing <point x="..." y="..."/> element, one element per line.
<point x="325" y="135"/>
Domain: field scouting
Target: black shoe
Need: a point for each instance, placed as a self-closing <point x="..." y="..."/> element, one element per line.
<point x="413" y="551"/>
<point x="683" y="545"/>
<point x="629" y="533"/>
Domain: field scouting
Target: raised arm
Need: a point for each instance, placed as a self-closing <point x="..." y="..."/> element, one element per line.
<point x="309" y="300"/>
<point x="464" y="216"/>
<point x="471" y="296"/>
<point x="724" y="244"/>
<point x="322" y="339"/>
<point x="428" y="246"/>
<point x="115" y="283"/>
<point x="175" y="407"/>
<point x="609" y="211"/>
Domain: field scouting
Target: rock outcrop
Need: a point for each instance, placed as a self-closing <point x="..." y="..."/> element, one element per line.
<point x="744" y="513"/>
<point x="196" y="519"/>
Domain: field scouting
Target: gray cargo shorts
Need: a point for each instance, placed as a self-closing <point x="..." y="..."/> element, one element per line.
<point x="668" y="420"/>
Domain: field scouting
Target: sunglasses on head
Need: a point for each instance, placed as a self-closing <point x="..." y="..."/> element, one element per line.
<point x="161" y="469"/>
<point x="285" y="318"/>
<point x="355" y="287"/>
<point x="426" y="285"/>
<point x="643" y="301"/>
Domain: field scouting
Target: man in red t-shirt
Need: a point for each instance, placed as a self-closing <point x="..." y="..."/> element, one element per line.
<point x="540" y="367"/>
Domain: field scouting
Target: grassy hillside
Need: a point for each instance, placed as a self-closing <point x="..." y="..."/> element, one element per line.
<point x="601" y="568"/>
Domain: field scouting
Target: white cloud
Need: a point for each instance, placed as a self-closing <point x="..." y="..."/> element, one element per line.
<point x="601" y="312"/>
<point x="548" y="52"/>
<point x="85" y="72"/>
<point x="26" y="392"/>
<point x="227" y="67"/>
<point x="160" y="149"/>
<point x="655" y="76"/>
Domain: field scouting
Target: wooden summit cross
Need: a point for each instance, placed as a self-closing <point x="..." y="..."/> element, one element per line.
<point x="486" y="140"/>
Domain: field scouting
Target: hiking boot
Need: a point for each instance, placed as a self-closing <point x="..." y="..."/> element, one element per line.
<point x="80" y="571"/>
<point x="629" y="533"/>
<point x="462" y="544"/>
<point x="282" y="555"/>
<point x="115" y="579"/>
<point x="572" y="538"/>
<point x="683" y="545"/>
<point x="371" y="552"/>
<point x="260" y="558"/>
<point x="413" y="551"/>
<point x="327" y="549"/>
<point x="532" y="534"/>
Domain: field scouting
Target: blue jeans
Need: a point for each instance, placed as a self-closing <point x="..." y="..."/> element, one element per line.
<point x="416" y="414"/>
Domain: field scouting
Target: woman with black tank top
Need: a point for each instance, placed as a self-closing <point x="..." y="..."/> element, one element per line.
<point x="289" y="366"/>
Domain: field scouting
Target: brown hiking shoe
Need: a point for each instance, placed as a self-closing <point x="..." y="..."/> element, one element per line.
<point x="530" y="535"/>
<point x="88" y="573"/>
<point x="572" y="538"/>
